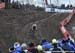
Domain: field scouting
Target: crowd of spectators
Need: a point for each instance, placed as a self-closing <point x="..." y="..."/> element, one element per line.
<point x="57" y="46"/>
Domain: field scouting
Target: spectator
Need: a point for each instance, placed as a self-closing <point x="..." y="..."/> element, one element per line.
<point x="34" y="27"/>
<point x="71" y="44"/>
<point x="40" y="49"/>
<point x="60" y="43"/>
<point x="17" y="47"/>
<point x="46" y="45"/>
<point x="24" y="48"/>
<point x="12" y="50"/>
<point x="55" y="48"/>
<point x="66" y="46"/>
<point x="32" y="48"/>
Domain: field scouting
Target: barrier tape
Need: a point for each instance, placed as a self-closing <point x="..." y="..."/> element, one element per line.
<point x="62" y="26"/>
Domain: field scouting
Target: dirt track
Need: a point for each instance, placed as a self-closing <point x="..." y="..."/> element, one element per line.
<point x="15" y="25"/>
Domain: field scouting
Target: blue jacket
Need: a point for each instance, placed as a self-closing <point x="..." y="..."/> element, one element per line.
<point x="67" y="47"/>
<point x="19" y="49"/>
<point x="15" y="52"/>
<point x="71" y="46"/>
<point x="60" y="43"/>
<point x="46" y="45"/>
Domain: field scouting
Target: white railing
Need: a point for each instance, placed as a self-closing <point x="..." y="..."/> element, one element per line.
<point x="59" y="51"/>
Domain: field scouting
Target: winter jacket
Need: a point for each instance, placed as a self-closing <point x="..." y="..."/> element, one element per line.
<point x="46" y="45"/>
<point x="32" y="50"/>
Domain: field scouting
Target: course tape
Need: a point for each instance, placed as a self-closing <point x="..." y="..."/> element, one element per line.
<point x="62" y="26"/>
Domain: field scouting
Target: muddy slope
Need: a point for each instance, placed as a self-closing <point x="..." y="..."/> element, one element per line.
<point x="15" y="25"/>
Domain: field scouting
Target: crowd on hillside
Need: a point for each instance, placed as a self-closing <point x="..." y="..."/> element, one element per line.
<point x="57" y="46"/>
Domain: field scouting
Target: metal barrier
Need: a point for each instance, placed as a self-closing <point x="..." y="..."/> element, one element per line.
<point x="59" y="51"/>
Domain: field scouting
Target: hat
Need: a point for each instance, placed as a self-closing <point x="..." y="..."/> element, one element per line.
<point x="16" y="44"/>
<point x="54" y="41"/>
<point x="11" y="49"/>
<point x="24" y="45"/>
<point x="44" y="40"/>
<point x="39" y="47"/>
<point x="30" y="44"/>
